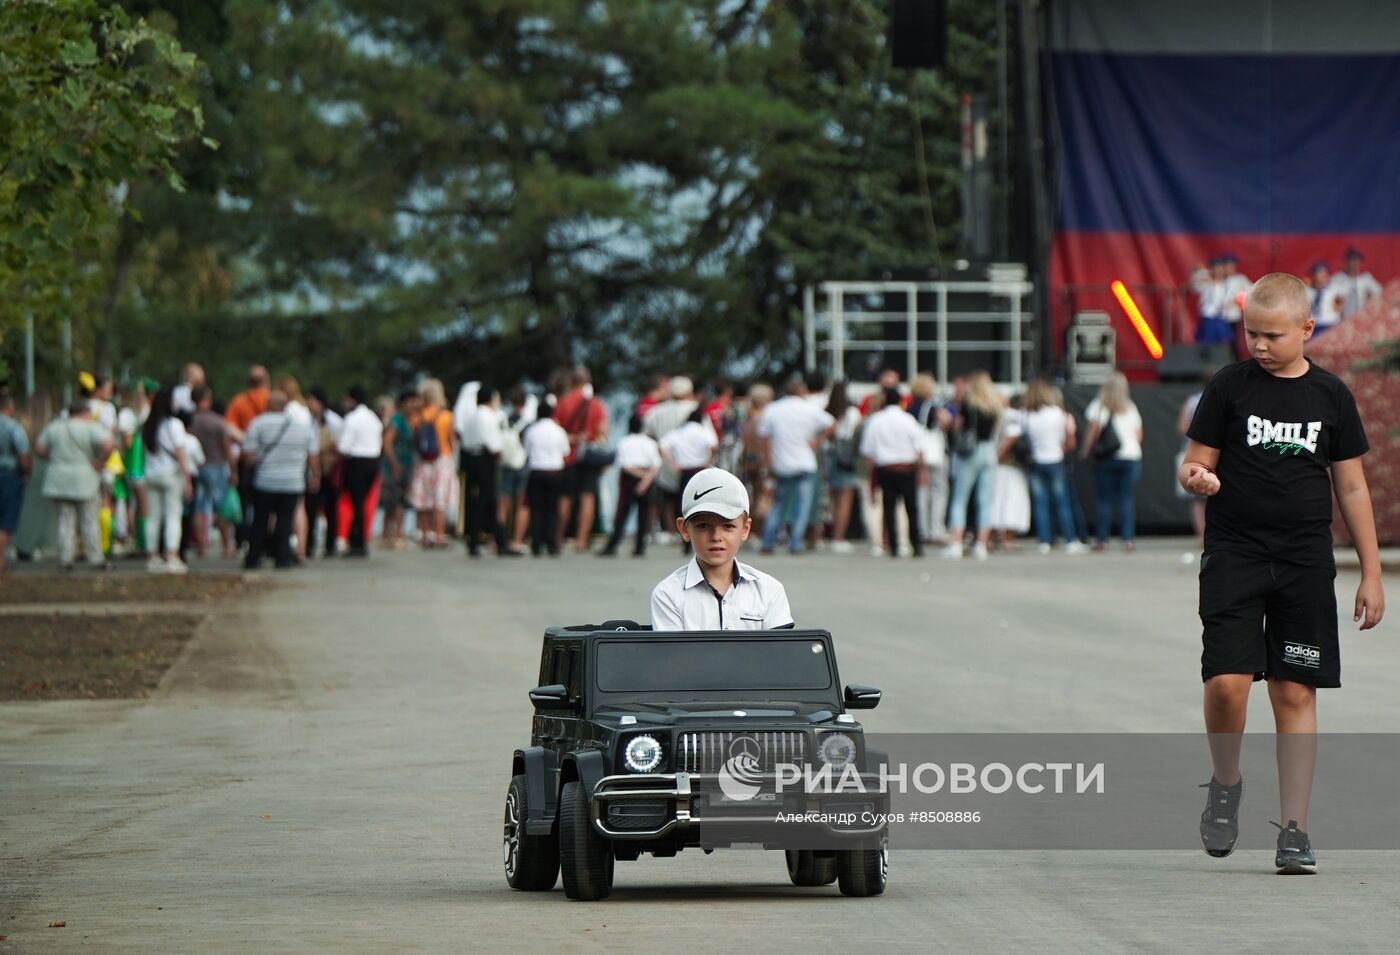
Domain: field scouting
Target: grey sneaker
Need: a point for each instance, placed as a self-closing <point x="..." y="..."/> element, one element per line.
<point x="1295" y="852"/>
<point x="1220" y="822"/>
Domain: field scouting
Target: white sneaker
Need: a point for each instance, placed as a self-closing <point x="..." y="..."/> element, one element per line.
<point x="176" y="566"/>
<point x="1075" y="547"/>
<point x="1188" y="559"/>
<point x="155" y="565"/>
<point x="877" y="551"/>
<point x="342" y="547"/>
<point x="905" y="550"/>
<point x="842" y="547"/>
<point x="1043" y="548"/>
<point x="953" y="551"/>
<point x="979" y="551"/>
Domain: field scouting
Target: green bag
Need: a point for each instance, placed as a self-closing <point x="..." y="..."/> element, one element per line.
<point x="231" y="507"/>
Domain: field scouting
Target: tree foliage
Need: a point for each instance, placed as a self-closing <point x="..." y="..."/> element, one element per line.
<point x="503" y="186"/>
<point x="90" y="100"/>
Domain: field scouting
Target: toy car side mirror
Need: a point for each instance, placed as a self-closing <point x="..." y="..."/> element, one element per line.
<point x="551" y="696"/>
<point x="860" y="697"/>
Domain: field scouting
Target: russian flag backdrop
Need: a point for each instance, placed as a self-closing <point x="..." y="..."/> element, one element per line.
<point x="1269" y="129"/>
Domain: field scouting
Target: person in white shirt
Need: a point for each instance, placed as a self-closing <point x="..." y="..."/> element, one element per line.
<point x="1051" y="433"/>
<point x="688" y="450"/>
<point x="1326" y="310"/>
<point x="660" y="420"/>
<point x="1116" y="470"/>
<point x="793" y="429"/>
<point x="1208" y="284"/>
<point x="638" y="464"/>
<point x="893" y="443"/>
<point x="713" y="590"/>
<point x="546" y="449"/>
<point x="182" y="396"/>
<point x="482" y="432"/>
<point x="1352" y="288"/>
<point x="167" y="484"/>
<point x="360" y="443"/>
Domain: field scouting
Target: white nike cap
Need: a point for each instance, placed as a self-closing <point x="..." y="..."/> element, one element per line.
<point x="714" y="491"/>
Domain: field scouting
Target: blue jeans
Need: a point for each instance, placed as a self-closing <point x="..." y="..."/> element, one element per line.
<point x="1050" y="487"/>
<point x="209" y="488"/>
<point x="1115" y="484"/>
<point x="791" y="504"/>
<point x="977" y="470"/>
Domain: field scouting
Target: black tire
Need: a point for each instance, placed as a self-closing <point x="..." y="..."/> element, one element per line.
<point x="532" y="862"/>
<point x="585" y="857"/>
<point x="862" y="872"/>
<point x="807" y="868"/>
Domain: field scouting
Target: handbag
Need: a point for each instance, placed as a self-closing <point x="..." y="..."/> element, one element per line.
<point x="591" y="454"/>
<point x="966" y="442"/>
<point x="1106" y="445"/>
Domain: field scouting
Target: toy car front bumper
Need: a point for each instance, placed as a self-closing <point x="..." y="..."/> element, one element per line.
<point x="651" y="806"/>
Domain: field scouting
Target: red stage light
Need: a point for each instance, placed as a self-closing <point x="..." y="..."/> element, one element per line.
<point x="1149" y="339"/>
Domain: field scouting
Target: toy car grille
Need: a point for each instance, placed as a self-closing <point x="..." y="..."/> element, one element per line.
<point x="707" y="752"/>
<point x="638" y="813"/>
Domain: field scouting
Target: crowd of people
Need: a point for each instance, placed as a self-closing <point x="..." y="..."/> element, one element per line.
<point x="1332" y="296"/>
<point x="174" y="473"/>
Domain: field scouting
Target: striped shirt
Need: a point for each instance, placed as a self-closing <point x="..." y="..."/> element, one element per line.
<point x="279" y="464"/>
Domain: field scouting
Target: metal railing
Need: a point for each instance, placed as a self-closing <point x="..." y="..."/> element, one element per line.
<point x="937" y="319"/>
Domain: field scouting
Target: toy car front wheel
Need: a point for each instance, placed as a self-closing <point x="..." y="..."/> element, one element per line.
<point x="532" y="862"/>
<point x="807" y="868"/>
<point x="585" y="857"/>
<point x="862" y="871"/>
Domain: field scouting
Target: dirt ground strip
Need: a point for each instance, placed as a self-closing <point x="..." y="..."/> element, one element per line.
<point x="83" y="586"/>
<point x="131" y="629"/>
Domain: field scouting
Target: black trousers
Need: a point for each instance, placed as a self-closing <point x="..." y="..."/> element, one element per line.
<point x="359" y="478"/>
<point x="272" y="528"/>
<point x="243" y="533"/>
<point x="542" y="489"/>
<point x="895" y="482"/>
<point x="627" y="498"/>
<point x="480" y="469"/>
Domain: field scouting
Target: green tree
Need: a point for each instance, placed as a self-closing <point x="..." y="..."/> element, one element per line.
<point x="89" y="101"/>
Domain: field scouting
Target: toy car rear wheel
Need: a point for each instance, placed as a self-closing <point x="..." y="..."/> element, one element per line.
<point x="862" y="872"/>
<point x="532" y="862"/>
<point x="585" y="857"/>
<point x="807" y="868"/>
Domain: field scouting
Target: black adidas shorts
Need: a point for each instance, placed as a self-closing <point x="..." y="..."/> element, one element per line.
<point x="1269" y="618"/>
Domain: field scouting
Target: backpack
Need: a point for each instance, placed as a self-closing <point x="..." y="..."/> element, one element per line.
<point x="425" y="439"/>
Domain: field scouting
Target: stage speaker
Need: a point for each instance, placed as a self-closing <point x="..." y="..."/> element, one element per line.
<point x="1190" y="362"/>
<point x="918" y="33"/>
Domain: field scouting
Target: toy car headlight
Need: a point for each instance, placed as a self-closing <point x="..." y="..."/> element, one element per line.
<point x="643" y="754"/>
<point x="836" y="750"/>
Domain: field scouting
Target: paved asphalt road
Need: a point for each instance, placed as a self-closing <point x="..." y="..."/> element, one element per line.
<point x="324" y="771"/>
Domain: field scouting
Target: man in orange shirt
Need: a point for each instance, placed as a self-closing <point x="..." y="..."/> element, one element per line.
<point x="245" y="406"/>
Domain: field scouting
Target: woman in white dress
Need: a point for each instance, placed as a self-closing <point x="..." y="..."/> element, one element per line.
<point x="1011" y="496"/>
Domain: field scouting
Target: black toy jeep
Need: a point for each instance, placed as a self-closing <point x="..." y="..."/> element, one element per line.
<point x="657" y="742"/>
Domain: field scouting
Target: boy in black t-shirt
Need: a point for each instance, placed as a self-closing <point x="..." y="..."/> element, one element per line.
<point x="1265" y="435"/>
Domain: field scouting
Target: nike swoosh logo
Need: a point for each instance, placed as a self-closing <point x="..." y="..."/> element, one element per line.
<point x="700" y="494"/>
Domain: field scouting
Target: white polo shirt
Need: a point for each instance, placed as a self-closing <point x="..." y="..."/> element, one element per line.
<point x="790" y="424"/>
<point x="685" y="600"/>
<point x="480" y="431"/>
<point x="638" y="451"/>
<point x="361" y="434"/>
<point x="892" y="436"/>
<point x="689" y="446"/>
<point x="546" y="446"/>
